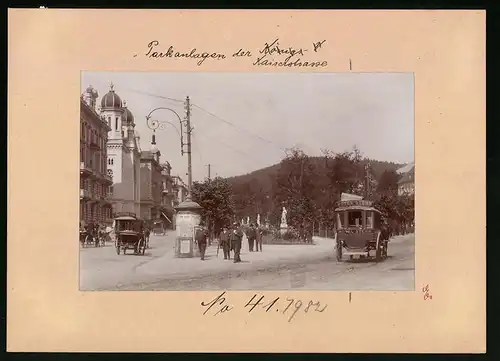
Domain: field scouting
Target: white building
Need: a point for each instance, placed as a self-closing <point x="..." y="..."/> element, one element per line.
<point x="406" y="184"/>
<point x="124" y="155"/>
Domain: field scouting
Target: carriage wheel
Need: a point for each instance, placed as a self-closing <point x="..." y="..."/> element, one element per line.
<point x="339" y="251"/>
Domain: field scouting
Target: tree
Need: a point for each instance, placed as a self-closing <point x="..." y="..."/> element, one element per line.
<point x="388" y="181"/>
<point x="294" y="189"/>
<point x="216" y="198"/>
<point x="399" y="210"/>
<point x="347" y="172"/>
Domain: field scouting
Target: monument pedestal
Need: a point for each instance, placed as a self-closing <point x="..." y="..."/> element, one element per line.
<point x="283" y="228"/>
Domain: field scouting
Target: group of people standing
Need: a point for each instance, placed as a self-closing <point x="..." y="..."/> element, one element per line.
<point x="230" y="240"/>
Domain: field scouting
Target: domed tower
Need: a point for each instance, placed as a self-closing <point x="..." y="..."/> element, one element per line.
<point x="112" y="110"/>
<point x="89" y="96"/>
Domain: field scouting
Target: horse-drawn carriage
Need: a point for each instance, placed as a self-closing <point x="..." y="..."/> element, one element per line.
<point x="89" y="237"/>
<point x="360" y="230"/>
<point x="129" y="233"/>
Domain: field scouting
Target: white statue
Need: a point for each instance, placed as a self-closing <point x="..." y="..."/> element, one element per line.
<point x="242" y="222"/>
<point x="248" y="220"/>
<point x="283" y="217"/>
<point x="258" y="219"/>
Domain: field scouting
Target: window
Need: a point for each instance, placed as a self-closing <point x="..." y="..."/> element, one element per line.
<point x="355" y="218"/>
<point x="116" y="123"/>
<point x="109" y="122"/>
<point x="369" y="220"/>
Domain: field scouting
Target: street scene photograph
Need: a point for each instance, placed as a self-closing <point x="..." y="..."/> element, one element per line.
<point x="246" y="181"/>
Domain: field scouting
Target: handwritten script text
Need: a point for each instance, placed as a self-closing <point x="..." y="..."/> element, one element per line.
<point x="271" y="54"/>
<point x="286" y="306"/>
<point x="191" y="54"/>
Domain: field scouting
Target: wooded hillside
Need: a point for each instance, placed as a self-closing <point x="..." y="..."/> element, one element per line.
<point x="266" y="190"/>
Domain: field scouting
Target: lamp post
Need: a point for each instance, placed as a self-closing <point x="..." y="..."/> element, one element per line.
<point x="187" y="212"/>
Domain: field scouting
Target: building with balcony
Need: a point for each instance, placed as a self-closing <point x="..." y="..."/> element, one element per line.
<point x="151" y="185"/>
<point x="406" y="184"/>
<point x="95" y="205"/>
<point x="180" y="190"/>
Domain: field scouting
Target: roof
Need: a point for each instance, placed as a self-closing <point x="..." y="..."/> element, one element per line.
<point x="125" y="218"/>
<point x="406" y="168"/>
<point x="129" y="117"/>
<point x="111" y="99"/>
<point x="188" y="205"/>
<point x="357" y="208"/>
<point x="408" y="177"/>
<point x="350" y="197"/>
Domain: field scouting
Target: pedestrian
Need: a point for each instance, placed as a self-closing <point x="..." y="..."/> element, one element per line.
<point x="201" y="238"/>
<point x="251" y="233"/>
<point x="258" y="239"/>
<point x="236" y="239"/>
<point x="225" y="243"/>
<point x="147" y="233"/>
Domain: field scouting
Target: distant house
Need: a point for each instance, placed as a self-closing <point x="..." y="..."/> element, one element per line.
<point x="406" y="168"/>
<point x="406" y="184"/>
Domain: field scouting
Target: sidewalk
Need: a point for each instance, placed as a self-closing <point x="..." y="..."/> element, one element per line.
<point x="168" y="266"/>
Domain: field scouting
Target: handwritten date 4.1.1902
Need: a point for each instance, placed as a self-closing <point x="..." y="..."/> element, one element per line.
<point x="289" y="306"/>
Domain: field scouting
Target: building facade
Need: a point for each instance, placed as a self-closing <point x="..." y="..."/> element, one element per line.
<point x="151" y="185"/>
<point x="95" y="206"/>
<point x="406" y="184"/>
<point x="180" y="190"/>
<point x="124" y="154"/>
<point x="168" y="196"/>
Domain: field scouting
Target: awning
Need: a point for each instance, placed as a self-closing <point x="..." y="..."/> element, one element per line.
<point x="166" y="217"/>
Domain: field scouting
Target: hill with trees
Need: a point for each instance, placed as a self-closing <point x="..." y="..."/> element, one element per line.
<point x="309" y="187"/>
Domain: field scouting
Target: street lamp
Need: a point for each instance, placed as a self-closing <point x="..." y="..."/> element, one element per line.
<point x="154" y="124"/>
<point x="188" y="212"/>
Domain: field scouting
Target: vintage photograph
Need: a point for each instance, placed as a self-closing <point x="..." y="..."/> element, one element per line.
<point x="246" y="181"/>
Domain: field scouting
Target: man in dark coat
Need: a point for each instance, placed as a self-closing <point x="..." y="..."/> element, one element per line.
<point x="147" y="233"/>
<point x="258" y="239"/>
<point x="201" y="236"/>
<point x="225" y="243"/>
<point x="236" y="238"/>
<point x="251" y="235"/>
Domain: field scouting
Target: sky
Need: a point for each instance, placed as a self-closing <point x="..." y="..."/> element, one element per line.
<point x="244" y="121"/>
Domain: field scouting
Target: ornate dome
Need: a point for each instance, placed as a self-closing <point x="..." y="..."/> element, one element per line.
<point x="128" y="117"/>
<point x="111" y="99"/>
